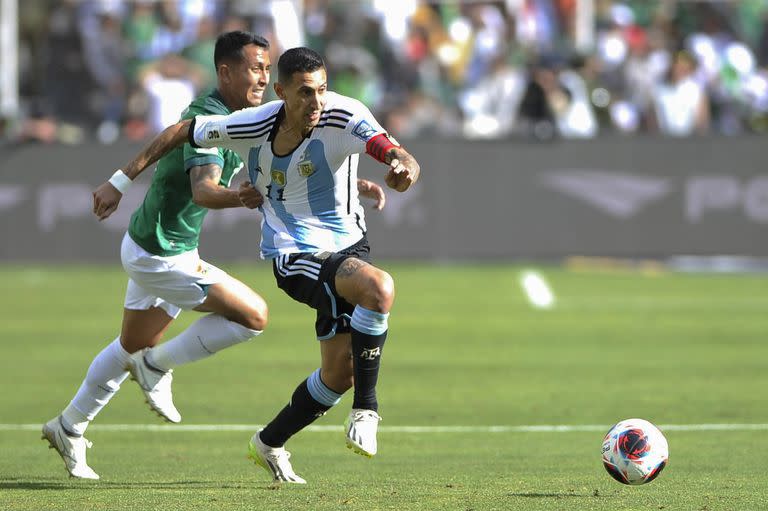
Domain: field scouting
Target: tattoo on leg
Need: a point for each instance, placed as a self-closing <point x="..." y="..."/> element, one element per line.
<point x="349" y="267"/>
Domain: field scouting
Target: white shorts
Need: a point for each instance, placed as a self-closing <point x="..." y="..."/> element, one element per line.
<point x="173" y="283"/>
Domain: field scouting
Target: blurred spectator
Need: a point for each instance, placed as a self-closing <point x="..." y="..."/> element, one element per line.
<point x="200" y="52"/>
<point x="545" y="100"/>
<point x="491" y="107"/>
<point x="138" y="31"/>
<point x="680" y="106"/>
<point x="646" y="66"/>
<point x="762" y="41"/>
<point x="578" y="120"/>
<point x="472" y="68"/>
<point x="53" y="113"/>
<point x="422" y="116"/>
<point x="556" y="102"/>
<point x="105" y="61"/>
<point x="276" y="20"/>
<point x="170" y="84"/>
<point x="490" y="34"/>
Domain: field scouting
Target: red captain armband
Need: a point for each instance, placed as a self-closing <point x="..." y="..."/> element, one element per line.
<point x="379" y="145"/>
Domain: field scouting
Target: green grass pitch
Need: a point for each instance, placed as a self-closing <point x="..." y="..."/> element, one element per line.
<point x="465" y="349"/>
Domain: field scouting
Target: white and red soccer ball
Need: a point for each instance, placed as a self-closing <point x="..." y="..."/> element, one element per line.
<point x="635" y="452"/>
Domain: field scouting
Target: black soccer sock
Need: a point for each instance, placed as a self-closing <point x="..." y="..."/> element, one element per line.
<point x="369" y="331"/>
<point x="309" y="401"/>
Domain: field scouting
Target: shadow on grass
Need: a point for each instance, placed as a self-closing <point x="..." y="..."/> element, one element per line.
<point x="74" y="484"/>
<point x="538" y="495"/>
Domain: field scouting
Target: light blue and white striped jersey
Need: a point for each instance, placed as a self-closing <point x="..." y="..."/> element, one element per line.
<point x="310" y="195"/>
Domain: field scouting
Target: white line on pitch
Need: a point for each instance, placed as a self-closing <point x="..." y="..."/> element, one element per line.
<point x="544" y="428"/>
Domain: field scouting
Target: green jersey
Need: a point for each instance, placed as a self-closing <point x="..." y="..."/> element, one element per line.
<point x="168" y="222"/>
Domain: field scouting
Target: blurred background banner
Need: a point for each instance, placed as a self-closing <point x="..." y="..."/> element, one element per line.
<point x="649" y="197"/>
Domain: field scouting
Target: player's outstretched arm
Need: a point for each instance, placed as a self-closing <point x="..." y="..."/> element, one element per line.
<point x="403" y="169"/>
<point x="107" y="196"/>
<point x="371" y="190"/>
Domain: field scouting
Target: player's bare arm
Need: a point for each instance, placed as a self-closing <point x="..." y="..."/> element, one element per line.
<point x="208" y="192"/>
<point x="403" y="169"/>
<point x="107" y="197"/>
<point x="371" y="190"/>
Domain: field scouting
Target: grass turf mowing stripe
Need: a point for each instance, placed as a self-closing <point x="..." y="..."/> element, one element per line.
<point x="544" y="428"/>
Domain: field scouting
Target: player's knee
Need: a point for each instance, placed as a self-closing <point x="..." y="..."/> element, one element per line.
<point x="255" y="316"/>
<point x="381" y="292"/>
<point x="133" y="343"/>
<point x="259" y="317"/>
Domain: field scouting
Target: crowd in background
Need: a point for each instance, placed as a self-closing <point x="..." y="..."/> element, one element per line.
<point x="107" y="69"/>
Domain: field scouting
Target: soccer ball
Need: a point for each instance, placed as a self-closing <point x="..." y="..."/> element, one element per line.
<point x="634" y="451"/>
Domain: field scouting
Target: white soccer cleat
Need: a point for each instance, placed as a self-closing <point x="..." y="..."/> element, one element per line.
<point x="275" y="460"/>
<point x="361" y="426"/>
<point x="71" y="448"/>
<point x="156" y="385"/>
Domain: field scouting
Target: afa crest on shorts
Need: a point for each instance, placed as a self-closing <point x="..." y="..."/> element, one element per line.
<point x="278" y="176"/>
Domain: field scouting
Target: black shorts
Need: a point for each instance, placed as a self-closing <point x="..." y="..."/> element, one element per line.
<point x="310" y="278"/>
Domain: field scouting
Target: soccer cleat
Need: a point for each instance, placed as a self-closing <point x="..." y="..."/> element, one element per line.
<point x="361" y="426"/>
<point x="156" y="385"/>
<point x="70" y="447"/>
<point x="275" y="460"/>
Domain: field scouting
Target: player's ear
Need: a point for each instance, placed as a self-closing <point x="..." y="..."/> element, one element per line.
<point x="224" y="73"/>
<point x="279" y="90"/>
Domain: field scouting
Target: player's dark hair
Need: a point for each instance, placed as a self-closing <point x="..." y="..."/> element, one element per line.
<point x="229" y="45"/>
<point x="298" y="60"/>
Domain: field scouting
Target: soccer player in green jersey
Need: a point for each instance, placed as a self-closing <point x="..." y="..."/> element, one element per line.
<point x="159" y="253"/>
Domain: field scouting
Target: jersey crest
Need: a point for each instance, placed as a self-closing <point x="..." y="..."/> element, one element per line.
<point x="305" y="166"/>
<point x="278" y="176"/>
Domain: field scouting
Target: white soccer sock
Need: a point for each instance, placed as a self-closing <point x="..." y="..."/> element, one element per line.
<point x="102" y="381"/>
<point x="203" y="338"/>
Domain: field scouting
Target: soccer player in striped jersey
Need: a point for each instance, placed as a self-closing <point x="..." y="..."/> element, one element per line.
<point x="301" y="153"/>
<point x="159" y="253"/>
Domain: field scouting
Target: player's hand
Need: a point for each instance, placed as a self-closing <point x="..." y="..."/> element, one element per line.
<point x="106" y="198"/>
<point x="401" y="176"/>
<point x="371" y="190"/>
<point x="249" y="196"/>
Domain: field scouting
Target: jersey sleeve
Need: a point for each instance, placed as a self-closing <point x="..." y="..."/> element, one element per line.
<point x="361" y="128"/>
<point x="198" y="156"/>
<point x="227" y="130"/>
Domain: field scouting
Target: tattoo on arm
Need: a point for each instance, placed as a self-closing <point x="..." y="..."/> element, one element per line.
<point x="161" y="145"/>
<point x="204" y="173"/>
<point x="400" y="154"/>
<point x="349" y="267"/>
